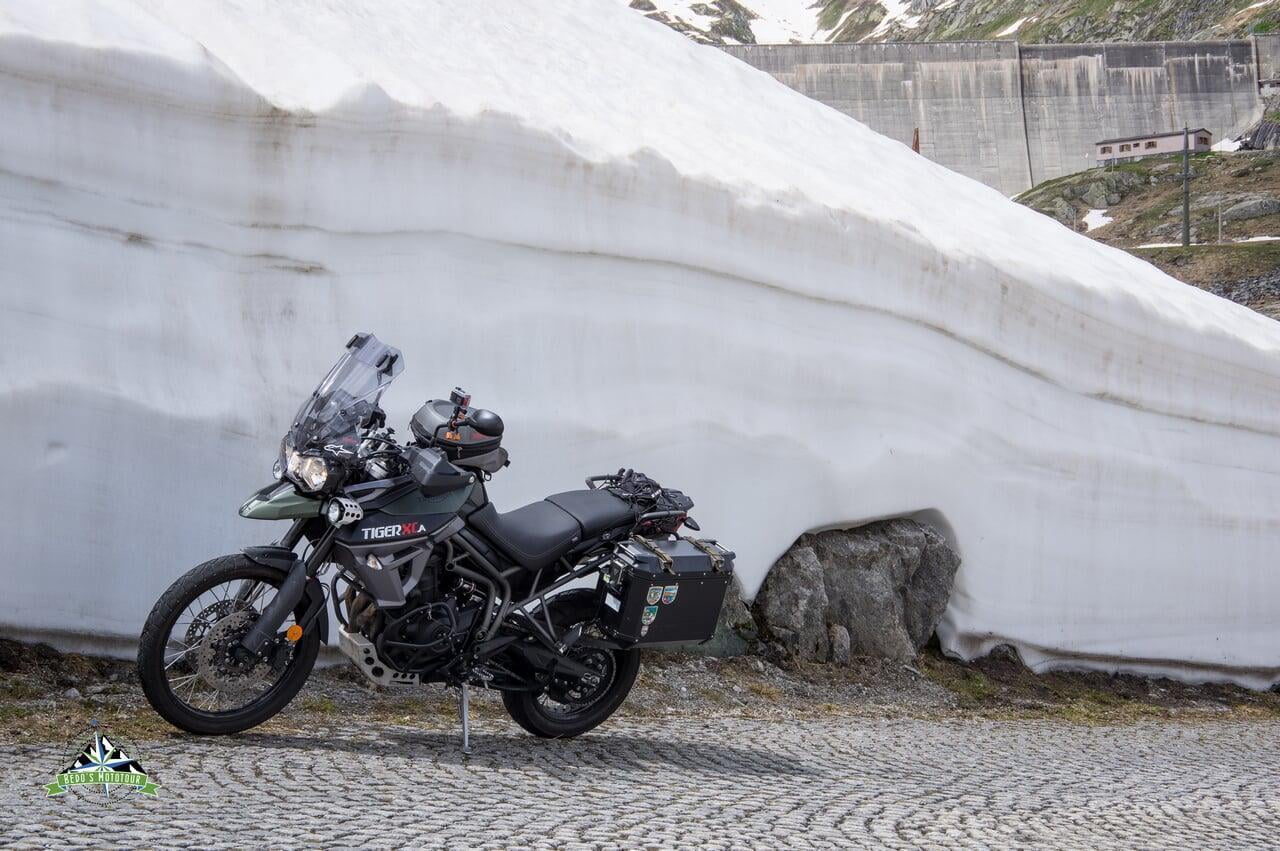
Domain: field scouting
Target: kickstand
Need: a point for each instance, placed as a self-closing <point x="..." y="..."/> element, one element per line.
<point x="464" y="710"/>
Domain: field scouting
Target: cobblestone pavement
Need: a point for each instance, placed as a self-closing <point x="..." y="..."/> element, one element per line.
<point x="718" y="784"/>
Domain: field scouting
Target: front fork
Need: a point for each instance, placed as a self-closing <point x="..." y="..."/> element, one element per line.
<point x="300" y="578"/>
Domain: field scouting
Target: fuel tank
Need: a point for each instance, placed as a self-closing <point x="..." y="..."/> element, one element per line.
<point x="390" y="546"/>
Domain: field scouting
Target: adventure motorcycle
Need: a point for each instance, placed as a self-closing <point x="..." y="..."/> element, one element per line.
<point x="436" y="584"/>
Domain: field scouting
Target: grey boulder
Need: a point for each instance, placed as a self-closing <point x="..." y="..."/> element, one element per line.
<point x="1254" y="209"/>
<point x="885" y="584"/>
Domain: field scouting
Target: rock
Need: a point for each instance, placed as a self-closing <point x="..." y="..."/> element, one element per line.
<point x="96" y="689"/>
<point x="839" y="638"/>
<point x="864" y="574"/>
<point x="1062" y="211"/>
<point x="885" y="584"/>
<point x="1096" y="196"/>
<point x="1254" y="209"/>
<point x="643" y="6"/>
<point x="793" y="603"/>
<point x="72" y="693"/>
<point x="1005" y="653"/>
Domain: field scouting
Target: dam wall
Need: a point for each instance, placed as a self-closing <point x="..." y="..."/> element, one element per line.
<point x="1013" y="115"/>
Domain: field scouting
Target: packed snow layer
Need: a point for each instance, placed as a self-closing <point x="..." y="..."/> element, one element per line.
<point x="640" y="252"/>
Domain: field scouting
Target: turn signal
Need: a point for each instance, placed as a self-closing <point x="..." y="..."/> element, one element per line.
<point x="293" y="633"/>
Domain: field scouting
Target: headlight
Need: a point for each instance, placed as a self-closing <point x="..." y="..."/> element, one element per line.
<point x="310" y="471"/>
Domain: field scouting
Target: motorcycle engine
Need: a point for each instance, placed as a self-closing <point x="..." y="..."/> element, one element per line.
<point x="427" y="630"/>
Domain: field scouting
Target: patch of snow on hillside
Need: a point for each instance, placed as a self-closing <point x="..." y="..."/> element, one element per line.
<point x="775" y="21"/>
<point x="1096" y="218"/>
<point x="783" y="21"/>
<point x="682" y="11"/>
<point x="897" y="13"/>
<point x="1012" y="28"/>
<point x="1227" y="146"/>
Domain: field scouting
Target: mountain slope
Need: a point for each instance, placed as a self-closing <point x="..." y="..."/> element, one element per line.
<point x="1041" y="21"/>
<point x="1137" y="206"/>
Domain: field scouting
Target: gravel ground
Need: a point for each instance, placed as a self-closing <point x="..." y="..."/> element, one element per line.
<point x="692" y="782"/>
<point x="706" y="753"/>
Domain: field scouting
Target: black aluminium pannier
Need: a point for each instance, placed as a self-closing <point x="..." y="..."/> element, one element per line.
<point x="665" y="591"/>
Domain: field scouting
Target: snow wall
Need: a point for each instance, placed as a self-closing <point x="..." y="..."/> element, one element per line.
<point x="641" y="252"/>
<point x="1015" y="115"/>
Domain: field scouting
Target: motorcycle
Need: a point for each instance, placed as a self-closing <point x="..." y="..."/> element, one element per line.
<point x="430" y="583"/>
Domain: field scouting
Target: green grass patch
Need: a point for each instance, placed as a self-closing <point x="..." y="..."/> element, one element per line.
<point x="14" y="688"/>
<point x="319" y="705"/>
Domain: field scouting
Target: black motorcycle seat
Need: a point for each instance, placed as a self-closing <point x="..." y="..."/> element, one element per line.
<point x="533" y="536"/>
<point x="596" y="511"/>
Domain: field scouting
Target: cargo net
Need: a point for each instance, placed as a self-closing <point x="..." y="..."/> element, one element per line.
<point x="670" y="507"/>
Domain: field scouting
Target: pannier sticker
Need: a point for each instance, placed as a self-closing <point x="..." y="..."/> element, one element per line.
<point x="649" y="615"/>
<point x="655" y="594"/>
<point x="644" y="630"/>
<point x="669" y="593"/>
<point x="613" y="602"/>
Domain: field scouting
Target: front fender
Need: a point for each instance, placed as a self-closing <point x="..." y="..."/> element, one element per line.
<point x="280" y="501"/>
<point x="283" y="559"/>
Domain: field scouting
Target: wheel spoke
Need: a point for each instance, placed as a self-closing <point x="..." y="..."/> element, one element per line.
<point x="201" y="665"/>
<point x="170" y="662"/>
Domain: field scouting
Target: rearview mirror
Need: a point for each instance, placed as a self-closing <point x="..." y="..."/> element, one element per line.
<point x="485" y="422"/>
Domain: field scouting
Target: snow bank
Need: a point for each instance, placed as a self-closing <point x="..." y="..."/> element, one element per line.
<point x="640" y="251"/>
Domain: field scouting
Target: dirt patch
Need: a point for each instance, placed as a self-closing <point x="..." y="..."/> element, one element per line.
<point x="999" y="685"/>
<point x="1205" y="265"/>
<point x="37" y="702"/>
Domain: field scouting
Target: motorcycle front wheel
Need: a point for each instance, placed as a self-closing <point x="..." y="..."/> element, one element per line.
<point x="187" y="660"/>
<point x="568" y="708"/>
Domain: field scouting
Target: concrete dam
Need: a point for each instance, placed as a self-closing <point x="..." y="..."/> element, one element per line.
<point x="1013" y="115"/>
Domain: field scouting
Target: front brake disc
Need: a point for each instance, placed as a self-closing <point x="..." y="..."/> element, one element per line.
<point x="216" y="662"/>
<point x="210" y="615"/>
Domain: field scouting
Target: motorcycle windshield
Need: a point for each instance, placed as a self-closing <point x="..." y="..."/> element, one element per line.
<point x="340" y="406"/>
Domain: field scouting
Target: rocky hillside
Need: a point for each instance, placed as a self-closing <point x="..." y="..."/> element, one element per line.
<point x="1041" y="21"/>
<point x="1045" y="21"/>
<point x="1235" y="218"/>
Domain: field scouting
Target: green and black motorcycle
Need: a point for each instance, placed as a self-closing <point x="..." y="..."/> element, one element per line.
<point x="428" y="582"/>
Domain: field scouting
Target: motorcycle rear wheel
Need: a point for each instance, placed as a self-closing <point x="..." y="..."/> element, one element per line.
<point x="552" y="719"/>
<point x="157" y="655"/>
